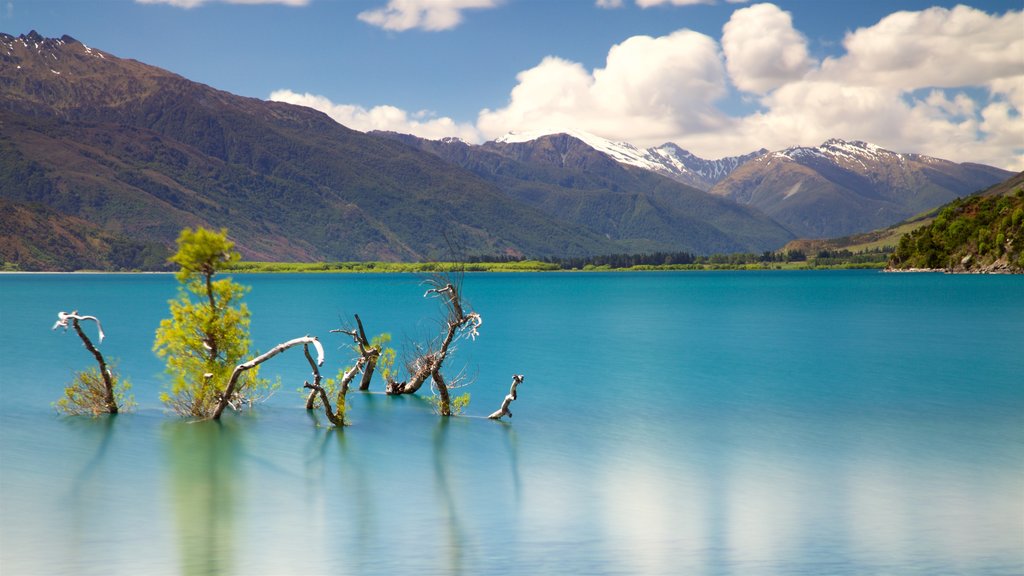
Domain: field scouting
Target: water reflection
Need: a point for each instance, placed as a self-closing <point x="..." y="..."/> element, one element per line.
<point x="205" y="478"/>
<point x="512" y="444"/>
<point x="447" y="510"/>
<point x="90" y="493"/>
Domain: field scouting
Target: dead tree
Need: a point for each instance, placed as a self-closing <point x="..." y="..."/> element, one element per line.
<point x="229" y="391"/>
<point x="109" y="404"/>
<point x="369" y="353"/>
<point x="517" y="379"/>
<point x="429" y="360"/>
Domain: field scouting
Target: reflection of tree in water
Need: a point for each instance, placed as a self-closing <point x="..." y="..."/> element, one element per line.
<point x="453" y="531"/>
<point x="204" y="458"/>
<point x="512" y="442"/>
<point x="87" y="491"/>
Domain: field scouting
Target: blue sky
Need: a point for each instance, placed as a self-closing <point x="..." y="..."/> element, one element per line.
<point x="934" y="78"/>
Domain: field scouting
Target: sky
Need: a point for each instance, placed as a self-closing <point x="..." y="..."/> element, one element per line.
<point x="716" y="77"/>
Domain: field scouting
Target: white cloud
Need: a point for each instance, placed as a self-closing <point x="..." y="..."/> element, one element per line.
<point x="948" y="83"/>
<point x="897" y="85"/>
<point x="609" y="3"/>
<point x="967" y="63"/>
<point x="196" y="3"/>
<point x="934" y="47"/>
<point x="650" y="88"/>
<point x="762" y="49"/>
<point x="423" y="124"/>
<point x="433" y="15"/>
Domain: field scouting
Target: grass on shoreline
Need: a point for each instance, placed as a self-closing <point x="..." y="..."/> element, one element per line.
<point x="523" y="266"/>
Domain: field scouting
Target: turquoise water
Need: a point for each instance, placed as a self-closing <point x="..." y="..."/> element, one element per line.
<point x="691" y="423"/>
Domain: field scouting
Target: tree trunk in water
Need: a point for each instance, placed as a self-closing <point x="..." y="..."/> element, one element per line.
<point x="108" y="384"/>
<point x="442" y="390"/>
<point x="371" y="365"/>
<point x="425" y="367"/>
<point x="225" y="398"/>
<point x="517" y="379"/>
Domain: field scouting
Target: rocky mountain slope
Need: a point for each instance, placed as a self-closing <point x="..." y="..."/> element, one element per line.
<point x="141" y="152"/>
<point x="668" y="159"/>
<point x="566" y="177"/>
<point x="983" y="233"/>
<point x="841" y="188"/>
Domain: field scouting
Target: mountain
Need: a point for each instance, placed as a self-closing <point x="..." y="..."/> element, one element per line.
<point x="668" y="159"/>
<point x="140" y="152"/>
<point x="841" y="188"/>
<point x="981" y="233"/>
<point x="567" y="177"/>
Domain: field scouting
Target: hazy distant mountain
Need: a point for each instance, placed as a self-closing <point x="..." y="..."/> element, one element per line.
<point x="595" y="187"/>
<point x="835" y="189"/>
<point x="141" y="152"/>
<point x="668" y="159"/>
<point x="841" y="188"/>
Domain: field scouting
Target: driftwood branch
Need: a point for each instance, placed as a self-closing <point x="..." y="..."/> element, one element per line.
<point x="230" y="390"/>
<point x="517" y="379"/>
<point x="63" y="319"/>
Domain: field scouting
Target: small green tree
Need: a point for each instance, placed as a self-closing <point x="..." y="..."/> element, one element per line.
<point x="97" y="390"/>
<point x="207" y="334"/>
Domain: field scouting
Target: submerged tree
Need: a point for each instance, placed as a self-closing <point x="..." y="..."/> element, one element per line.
<point x="429" y="359"/>
<point x="224" y="399"/>
<point x="207" y="334"/>
<point x="517" y="379"/>
<point x="94" y="391"/>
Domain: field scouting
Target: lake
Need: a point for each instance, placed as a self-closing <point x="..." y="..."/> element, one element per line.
<point x="669" y="423"/>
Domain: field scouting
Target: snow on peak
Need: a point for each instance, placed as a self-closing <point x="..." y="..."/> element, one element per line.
<point x="668" y="159"/>
<point x="622" y="152"/>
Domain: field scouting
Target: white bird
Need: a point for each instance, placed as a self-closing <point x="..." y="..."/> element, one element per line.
<point x="63" y="317"/>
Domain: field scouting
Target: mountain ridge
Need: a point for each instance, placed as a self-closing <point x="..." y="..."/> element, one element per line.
<point x="669" y="159"/>
<point x="567" y="178"/>
<point x="144" y="152"/>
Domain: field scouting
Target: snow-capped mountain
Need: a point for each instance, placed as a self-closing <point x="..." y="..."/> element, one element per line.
<point x="835" y="189"/>
<point x="687" y="168"/>
<point x="668" y="159"/>
<point x="843" y="187"/>
<point x="586" y="184"/>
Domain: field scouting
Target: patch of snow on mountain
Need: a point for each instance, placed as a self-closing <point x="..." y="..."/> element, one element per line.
<point x="622" y="152"/>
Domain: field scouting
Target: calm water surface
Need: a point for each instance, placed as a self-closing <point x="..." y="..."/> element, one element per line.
<point x="691" y="423"/>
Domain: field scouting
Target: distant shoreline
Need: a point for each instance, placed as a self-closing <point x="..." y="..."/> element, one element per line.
<point x="475" y="267"/>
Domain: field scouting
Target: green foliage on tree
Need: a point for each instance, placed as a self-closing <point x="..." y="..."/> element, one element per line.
<point x="97" y="390"/>
<point x="207" y="334"/>
<point x="969" y="233"/>
<point x="386" y="359"/>
<point x="87" y="394"/>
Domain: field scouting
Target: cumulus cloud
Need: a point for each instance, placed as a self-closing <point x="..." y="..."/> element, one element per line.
<point x="943" y="82"/>
<point x="650" y="88"/>
<point x="196" y="3"/>
<point x="433" y="15"/>
<point x="762" y="49"/>
<point x="948" y="83"/>
<point x="390" y="118"/>
<point x="609" y="3"/>
<point x="935" y="47"/>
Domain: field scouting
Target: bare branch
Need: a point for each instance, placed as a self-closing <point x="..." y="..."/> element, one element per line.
<point x="517" y="379"/>
<point x="108" y="378"/>
<point x="230" y="390"/>
<point x="63" y="317"/>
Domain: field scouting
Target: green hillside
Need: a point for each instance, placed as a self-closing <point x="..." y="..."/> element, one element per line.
<point x="980" y="233"/>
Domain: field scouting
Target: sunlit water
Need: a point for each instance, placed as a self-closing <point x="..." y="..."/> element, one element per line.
<point x="692" y="423"/>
